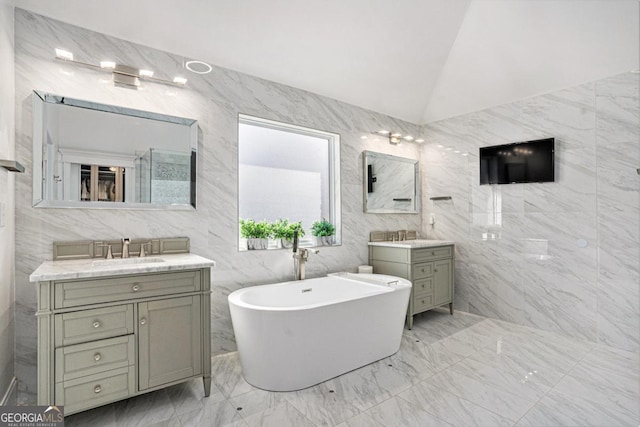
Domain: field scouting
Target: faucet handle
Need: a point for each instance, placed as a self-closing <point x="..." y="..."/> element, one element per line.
<point x="109" y="251"/>
<point x="142" y="251"/>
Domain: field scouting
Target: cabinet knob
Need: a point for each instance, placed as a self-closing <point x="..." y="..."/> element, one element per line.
<point x="97" y="324"/>
<point x="97" y="357"/>
<point x="97" y="389"/>
<point x="135" y="288"/>
<point x="423" y="270"/>
<point x="423" y="301"/>
<point x="433" y="253"/>
<point x="435" y="270"/>
<point x="143" y="321"/>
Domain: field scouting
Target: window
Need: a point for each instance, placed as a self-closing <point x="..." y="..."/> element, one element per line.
<point x="288" y="172"/>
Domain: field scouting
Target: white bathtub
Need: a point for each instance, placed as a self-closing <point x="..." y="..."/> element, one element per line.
<point x="297" y="334"/>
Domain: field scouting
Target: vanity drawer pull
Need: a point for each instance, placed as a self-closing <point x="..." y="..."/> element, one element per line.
<point x="135" y="288"/>
<point x="97" y="357"/>
<point x="97" y="389"/>
<point x="143" y="321"/>
<point x="435" y="270"/>
<point x="433" y="253"/>
<point x="97" y="324"/>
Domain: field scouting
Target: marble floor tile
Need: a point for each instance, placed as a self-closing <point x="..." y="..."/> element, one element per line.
<point x="557" y="409"/>
<point x="104" y="416"/>
<point x="257" y="401"/>
<point x="227" y="375"/>
<point x="220" y="414"/>
<point x="387" y="376"/>
<point x="437" y="324"/>
<point x="322" y="405"/>
<point x="361" y="420"/>
<point x="397" y="412"/>
<point x="189" y="396"/>
<point x="496" y="398"/>
<point x="144" y="409"/>
<point x="358" y="390"/>
<point x="281" y="415"/>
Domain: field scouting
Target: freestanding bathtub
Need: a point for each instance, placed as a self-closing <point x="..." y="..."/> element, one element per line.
<point x="297" y="334"/>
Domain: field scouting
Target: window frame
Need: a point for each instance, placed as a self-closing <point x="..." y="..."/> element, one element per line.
<point x="333" y="139"/>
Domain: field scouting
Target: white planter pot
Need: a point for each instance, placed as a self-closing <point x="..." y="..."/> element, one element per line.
<point x="323" y="240"/>
<point x="253" y="244"/>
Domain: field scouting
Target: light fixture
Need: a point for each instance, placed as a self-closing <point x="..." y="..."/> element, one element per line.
<point x="180" y="81"/>
<point x="64" y="55"/>
<point x="123" y="75"/>
<point x="396" y="138"/>
<point x="198" y="67"/>
<point x="363" y="137"/>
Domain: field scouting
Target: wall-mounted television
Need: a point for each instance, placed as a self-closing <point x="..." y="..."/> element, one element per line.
<point x="519" y="162"/>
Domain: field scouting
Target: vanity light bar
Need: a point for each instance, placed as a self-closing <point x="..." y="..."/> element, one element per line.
<point x="396" y="138"/>
<point x="123" y="75"/>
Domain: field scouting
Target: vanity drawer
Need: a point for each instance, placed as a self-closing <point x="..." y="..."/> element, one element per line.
<point x="422" y="270"/>
<point x="91" y="325"/>
<point x="95" y="390"/>
<point x="80" y="360"/>
<point x="422" y="287"/>
<point x="426" y="254"/>
<point x="422" y="303"/>
<point x="94" y="291"/>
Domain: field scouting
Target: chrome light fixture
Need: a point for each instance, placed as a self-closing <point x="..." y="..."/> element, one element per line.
<point x="396" y="138"/>
<point x="123" y="75"/>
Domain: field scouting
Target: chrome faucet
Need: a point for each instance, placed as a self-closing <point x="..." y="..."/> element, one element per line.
<point x="300" y="257"/>
<point x="125" y="247"/>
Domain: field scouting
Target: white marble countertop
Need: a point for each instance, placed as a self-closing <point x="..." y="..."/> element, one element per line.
<point x="98" y="267"/>
<point x="410" y="244"/>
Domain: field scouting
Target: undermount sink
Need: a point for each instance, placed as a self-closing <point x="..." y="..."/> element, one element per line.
<point x="126" y="261"/>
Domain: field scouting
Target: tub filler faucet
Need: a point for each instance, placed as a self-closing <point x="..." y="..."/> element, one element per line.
<point x="300" y="257"/>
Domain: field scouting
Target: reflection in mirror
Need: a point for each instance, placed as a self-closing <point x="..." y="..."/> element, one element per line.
<point x="391" y="184"/>
<point x="102" y="156"/>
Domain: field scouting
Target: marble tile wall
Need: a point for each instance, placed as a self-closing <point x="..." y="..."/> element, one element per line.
<point x="215" y="100"/>
<point x="7" y="198"/>
<point x="521" y="253"/>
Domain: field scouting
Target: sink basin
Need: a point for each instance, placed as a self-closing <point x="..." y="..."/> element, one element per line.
<point x="126" y="261"/>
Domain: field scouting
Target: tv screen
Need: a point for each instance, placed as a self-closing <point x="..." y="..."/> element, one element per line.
<point x="530" y="161"/>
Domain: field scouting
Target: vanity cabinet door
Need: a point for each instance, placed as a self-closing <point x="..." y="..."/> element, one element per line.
<point x="169" y="340"/>
<point x="442" y="283"/>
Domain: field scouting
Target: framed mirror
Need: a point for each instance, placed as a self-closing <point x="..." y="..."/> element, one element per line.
<point x="91" y="155"/>
<point x="391" y="184"/>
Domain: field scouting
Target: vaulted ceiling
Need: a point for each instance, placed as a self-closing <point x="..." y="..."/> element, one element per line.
<point x="418" y="60"/>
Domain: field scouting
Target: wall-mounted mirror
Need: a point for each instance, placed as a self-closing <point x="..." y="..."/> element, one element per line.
<point x="90" y="155"/>
<point x="391" y="184"/>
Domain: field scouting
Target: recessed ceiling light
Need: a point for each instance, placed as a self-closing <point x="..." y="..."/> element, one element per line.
<point x="408" y="138"/>
<point x="440" y="146"/>
<point x="396" y="135"/>
<point x="107" y="64"/>
<point x="363" y="137"/>
<point x="456" y="151"/>
<point x="419" y="140"/>
<point x="180" y="80"/>
<point x="383" y="132"/>
<point x="449" y="148"/>
<point x="198" y="67"/>
<point x="465" y="154"/>
<point x="64" y="54"/>
<point x="146" y="73"/>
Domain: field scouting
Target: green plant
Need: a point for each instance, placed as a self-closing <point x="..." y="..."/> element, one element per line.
<point x="322" y="228"/>
<point x="283" y="229"/>
<point x="251" y="229"/>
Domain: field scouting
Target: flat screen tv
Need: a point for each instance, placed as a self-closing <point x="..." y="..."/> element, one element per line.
<point x="530" y="161"/>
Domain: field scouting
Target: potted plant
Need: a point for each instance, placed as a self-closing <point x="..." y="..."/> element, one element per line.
<point x="284" y="230"/>
<point x="323" y="232"/>
<point x="256" y="233"/>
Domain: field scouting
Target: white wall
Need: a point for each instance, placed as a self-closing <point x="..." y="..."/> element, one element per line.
<point x="561" y="256"/>
<point x="7" y="199"/>
<point x="215" y="100"/>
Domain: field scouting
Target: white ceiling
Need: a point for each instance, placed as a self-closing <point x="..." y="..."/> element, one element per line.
<point x="419" y="60"/>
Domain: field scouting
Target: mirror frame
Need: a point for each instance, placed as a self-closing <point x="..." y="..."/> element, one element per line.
<point x="416" y="182"/>
<point x="40" y="99"/>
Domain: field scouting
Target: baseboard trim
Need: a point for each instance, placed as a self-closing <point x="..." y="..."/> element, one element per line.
<point x="12" y="386"/>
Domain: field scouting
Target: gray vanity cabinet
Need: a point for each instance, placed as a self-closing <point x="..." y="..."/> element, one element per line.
<point x="105" y="339"/>
<point x="430" y="269"/>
